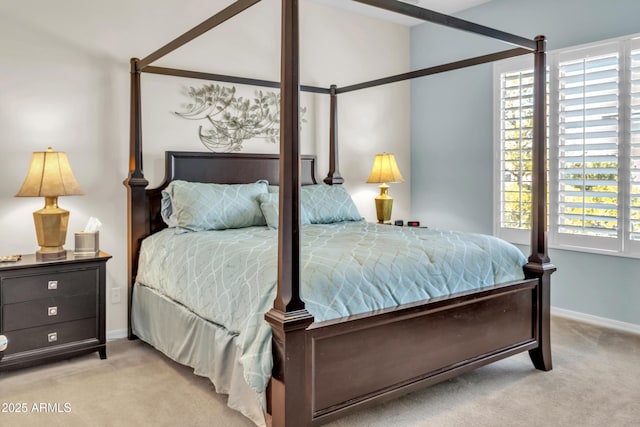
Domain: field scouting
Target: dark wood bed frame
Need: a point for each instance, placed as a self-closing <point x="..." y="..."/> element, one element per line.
<point x="323" y="370"/>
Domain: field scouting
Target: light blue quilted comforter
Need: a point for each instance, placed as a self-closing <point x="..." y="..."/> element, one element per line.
<point x="229" y="277"/>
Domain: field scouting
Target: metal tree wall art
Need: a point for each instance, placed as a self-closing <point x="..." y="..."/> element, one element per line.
<point x="232" y="120"/>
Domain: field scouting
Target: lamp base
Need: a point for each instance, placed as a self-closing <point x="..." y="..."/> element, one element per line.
<point x="49" y="255"/>
<point x="384" y="203"/>
<point x="51" y="229"/>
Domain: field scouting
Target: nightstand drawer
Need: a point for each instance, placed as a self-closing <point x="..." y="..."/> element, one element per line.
<point x="36" y="286"/>
<point x="48" y="311"/>
<point x="49" y="336"/>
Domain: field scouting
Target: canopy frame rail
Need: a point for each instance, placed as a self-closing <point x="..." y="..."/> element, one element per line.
<point x="209" y="24"/>
<point x="450" y="21"/>
<point x="423" y="72"/>
<point x="226" y="78"/>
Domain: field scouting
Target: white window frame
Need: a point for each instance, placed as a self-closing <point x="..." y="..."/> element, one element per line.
<point x="620" y="246"/>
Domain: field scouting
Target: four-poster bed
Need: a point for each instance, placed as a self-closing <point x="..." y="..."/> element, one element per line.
<point x="322" y="370"/>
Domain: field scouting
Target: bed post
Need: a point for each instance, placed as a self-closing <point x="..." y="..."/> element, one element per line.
<point x="539" y="265"/>
<point x="334" y="176"/>
<point x="137" y="213"/>
<point x="289" y="319"/>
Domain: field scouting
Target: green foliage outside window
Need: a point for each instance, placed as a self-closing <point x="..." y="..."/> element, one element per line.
<point x="517" y="141"/>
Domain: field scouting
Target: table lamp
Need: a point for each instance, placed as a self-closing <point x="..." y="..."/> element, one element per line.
<point x="384" y="170"/>
<point x="50" y="176"/>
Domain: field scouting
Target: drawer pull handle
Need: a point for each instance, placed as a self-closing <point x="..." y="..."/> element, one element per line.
<point x="4" y="342"/>
<point x="52" y="311"/>
<point x="52" y="337"/>
<point x="52" y="285"/>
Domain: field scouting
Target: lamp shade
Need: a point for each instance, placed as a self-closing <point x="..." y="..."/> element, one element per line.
<point x="385" y="169"/>
<point x="49" y="175"/>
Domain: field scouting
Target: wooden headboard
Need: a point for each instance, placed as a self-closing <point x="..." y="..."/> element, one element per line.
<point x="230" y="168"/>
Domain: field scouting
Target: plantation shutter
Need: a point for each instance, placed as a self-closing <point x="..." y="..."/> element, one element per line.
<point x="588" y="137"/>
<point x="516" y="140"/>
<point x="594" y="148"/>
<point x="635" y="146"/>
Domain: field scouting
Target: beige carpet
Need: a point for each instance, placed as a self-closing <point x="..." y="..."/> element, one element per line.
<point x="595" y="382"/>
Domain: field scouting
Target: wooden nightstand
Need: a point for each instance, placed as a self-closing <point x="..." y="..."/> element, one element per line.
<point x="52" y="310"/>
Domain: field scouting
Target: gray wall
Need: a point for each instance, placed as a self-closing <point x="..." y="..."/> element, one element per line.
<point x="452" y="137"/>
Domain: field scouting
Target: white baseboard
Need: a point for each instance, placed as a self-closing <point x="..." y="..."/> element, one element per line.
<point x="117" y="334"/>
<point x="596" y="321"/>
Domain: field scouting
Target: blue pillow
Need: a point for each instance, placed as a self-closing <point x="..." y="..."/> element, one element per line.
<point x="326" y="204"/>
<point x="195" y="206"/>
<point x="269" y="204"/>
<point x="319" y="204"/>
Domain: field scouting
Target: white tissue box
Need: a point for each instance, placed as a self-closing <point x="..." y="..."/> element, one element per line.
<point x="87" y="243"/>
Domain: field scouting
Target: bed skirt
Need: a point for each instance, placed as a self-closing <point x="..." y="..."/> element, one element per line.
<point x="202" y="345"/>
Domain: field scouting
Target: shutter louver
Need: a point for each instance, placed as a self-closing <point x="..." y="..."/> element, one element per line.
<point x="588" y="146"/>
<point x="634" y="232"/>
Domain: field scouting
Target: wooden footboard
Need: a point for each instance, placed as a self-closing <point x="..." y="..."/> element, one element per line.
<point x="357" y="361"/>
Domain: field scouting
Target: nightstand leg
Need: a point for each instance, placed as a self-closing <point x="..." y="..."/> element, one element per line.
<point x="103" y="353"/>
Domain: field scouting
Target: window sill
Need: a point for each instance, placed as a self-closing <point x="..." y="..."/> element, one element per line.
<point x="571" y="248"/>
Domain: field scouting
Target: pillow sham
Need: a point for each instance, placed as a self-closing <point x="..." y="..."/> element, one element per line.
<point x="326" y="204"/>
<point x="269" y="204"/>
<point x="195" y="206"/>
